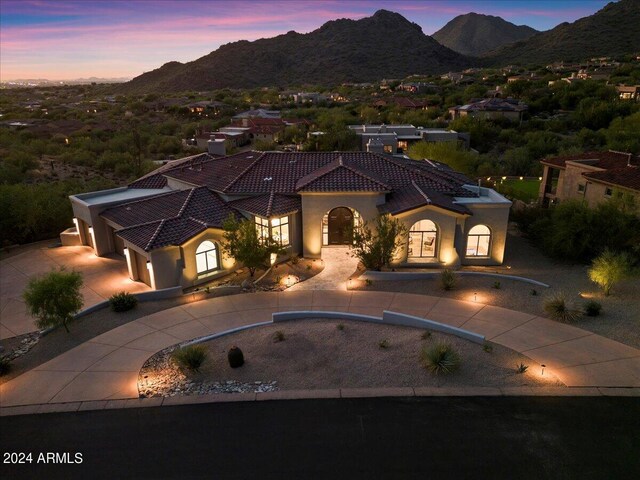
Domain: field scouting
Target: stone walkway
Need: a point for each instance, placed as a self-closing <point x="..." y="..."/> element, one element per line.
<point x="103" y="276"/>
<point x="106" y="368"/>
<point x="339" y="265"/>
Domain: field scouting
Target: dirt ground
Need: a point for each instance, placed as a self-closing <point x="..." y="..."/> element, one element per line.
<point x="620" y="317"/>
<point x="316" y="354"/>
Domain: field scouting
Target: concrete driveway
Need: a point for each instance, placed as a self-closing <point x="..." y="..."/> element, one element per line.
<point x="107" y="367"/>
<point x="103" y="276"/>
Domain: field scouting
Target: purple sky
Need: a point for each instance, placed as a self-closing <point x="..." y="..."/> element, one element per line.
<point x="82" y="38"/>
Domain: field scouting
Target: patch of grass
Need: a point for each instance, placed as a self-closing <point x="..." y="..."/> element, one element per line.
<point x="278" y="336"/>
<point x="384" y="344"/>
<point x="521" y="368"/>
<point x="191" y="357"/>
<point x="447" y="279"/>
<point x="487" y="348"/>
<point x="340" y="326"/>
<point x="557" y="308"/>
<point x="122" y="301"/>
<point x="440" y="358"/>
<point x="592" y="308"/>
<point x="425" y="335"/>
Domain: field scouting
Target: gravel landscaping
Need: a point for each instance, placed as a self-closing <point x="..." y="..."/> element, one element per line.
<point x="319" y="354"/>
<point x="620" y="317"/>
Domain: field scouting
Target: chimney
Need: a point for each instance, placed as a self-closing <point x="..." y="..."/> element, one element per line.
<point x="216" y="146"/>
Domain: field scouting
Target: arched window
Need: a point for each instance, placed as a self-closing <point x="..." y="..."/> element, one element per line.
<point x="423" y="239"/>
<point x="206" y="257"/>
<point x="478" y="241"/>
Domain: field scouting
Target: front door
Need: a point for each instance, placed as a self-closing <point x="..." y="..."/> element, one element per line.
<point x="340" y="226"/>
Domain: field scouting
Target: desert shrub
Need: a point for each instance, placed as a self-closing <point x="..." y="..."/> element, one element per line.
<point x="235" y="357"/>
<point x="5" y="366"/>
<point x="557" y="308"/>
<point x="278" y="336"/>
<point x="497" y="285"/>
<point x="487" y="348"/>
<point x="440" y="358"/>
<point x="122" y="301"/>
<point x="426" y="335"/>
<point x="521" y="368"/>
<point x="340" y="326"/>
<point x="610" y="268"/>
<point x="592" y="308"/>
<point x="384" y="344"/>
<point x="191" y="357"/>
<point x="295" y="260"/>
<point x="447" y="279"/>
<point x="534" y="292"/>
<point x="375" y="247"/>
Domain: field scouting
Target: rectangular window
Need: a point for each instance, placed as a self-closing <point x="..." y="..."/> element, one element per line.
<point x="608" y="192"/>
<point x="280" y="230"/>
<point x="388" y="149"/>
<point x="262" y="228"/>
<point x="580" y="188"/>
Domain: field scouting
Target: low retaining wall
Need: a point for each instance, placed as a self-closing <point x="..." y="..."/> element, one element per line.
<point x="371" y="275"/>
<point x="163" y="294"/>
<point x="388" y="318"/>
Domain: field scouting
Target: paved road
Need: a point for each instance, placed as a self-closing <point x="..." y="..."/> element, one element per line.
<point x="438" y="437"/>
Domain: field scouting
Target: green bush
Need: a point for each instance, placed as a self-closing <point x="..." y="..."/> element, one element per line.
<point x="5" y="366"/>
<point x="122" y="301"/>
<point x="592" y="308"/>
<point x="191" y="357"/>
<point x="340" y="326"/>
<point x="609" y="268"/>
<point x="440" y="358"/>
<point x="447" y="279"/>
<point x="557" y="308"/>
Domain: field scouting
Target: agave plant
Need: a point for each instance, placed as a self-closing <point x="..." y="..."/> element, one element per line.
<point x="557" y="308"/>
<point x="440" y="358"/>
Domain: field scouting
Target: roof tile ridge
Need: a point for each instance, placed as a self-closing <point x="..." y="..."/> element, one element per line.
<point x="270" y="203"/>
<point x="424" y="195"/>
<point x="366" y="174"/>
<point x="140" y="200"/>
<point x="244" y="171"/>
<point x="155" y="235"/>
<point x="186" y="202"/>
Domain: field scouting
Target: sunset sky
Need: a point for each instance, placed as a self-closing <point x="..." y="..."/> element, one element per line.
<point x="82" y="38"/>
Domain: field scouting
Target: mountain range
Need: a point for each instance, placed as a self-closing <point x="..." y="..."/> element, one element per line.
<point x="387" y="45"/>
<point x="475" y="34"/>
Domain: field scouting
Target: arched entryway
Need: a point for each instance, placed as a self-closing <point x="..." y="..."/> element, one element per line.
<point x="340" y="222"/>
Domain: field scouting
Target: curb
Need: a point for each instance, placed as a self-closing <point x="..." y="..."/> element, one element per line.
<point x="343" y="393"/>
<point x="373" y="275"/>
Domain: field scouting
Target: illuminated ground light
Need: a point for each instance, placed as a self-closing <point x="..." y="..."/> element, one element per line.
<point x="478" y="297"/>
<point x="290" y="280"/>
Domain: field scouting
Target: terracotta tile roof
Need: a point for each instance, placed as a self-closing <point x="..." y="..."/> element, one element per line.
<point x="268" y="205"/>
<point x="605" y="160"/>
<point x="413" y="196"/>
<point x="493" y="105"/>
<point x="156" y="179"/>
<point x="341" y="176"/>
<point x="194" y="211"/>
<point x="627" y="177"/>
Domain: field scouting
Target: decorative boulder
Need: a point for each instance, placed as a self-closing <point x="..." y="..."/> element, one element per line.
<point x="236" y="357"/>
<point x="247" y="284"/>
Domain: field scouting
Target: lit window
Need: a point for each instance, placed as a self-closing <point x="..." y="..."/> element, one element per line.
<point x="388" y="149"/>
<point x="280" y="230"/>
<point x="262" y="228"/>
<point x="206" y="257"/>
<point x="423" y="238"/>
<point x="478" y="241"/>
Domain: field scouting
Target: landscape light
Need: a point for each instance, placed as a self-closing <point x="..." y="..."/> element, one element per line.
<point x="543" y="365"/>
<point x="475" y="297"/>
<point x="521" y="178"/>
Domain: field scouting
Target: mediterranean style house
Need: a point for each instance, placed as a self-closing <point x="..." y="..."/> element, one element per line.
<point x="590" y="176"/>
<point x="168" y="224"/>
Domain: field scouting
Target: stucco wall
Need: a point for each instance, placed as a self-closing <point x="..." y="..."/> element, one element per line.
<point x="496" y="217"/>
<point x="445" y="222"/>
<point x="316" y="205"/>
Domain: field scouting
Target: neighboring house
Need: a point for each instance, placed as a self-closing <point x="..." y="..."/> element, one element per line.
<point x="418" y="87"/>
<point x="402" y="102"/>
<point x="169" y="223"/>
<point x="491" y="108"/>
<point x="258" y="113"/>
<point x="591" y="176"/>
<point x="631" y="92"/>
<point x="309" y="97"/>
<point x="398" y="138"/>
<point x="204" y="107"/>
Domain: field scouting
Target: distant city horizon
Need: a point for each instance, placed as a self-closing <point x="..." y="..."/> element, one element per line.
<point x="68" y="40"/>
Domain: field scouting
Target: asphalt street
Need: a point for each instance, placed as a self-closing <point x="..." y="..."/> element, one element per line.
<point x="435" y="437"/>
